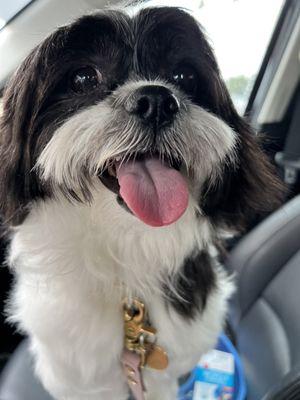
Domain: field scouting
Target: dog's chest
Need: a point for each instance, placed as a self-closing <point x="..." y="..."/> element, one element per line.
<point x="72" y="279"/>
<point x="83" y="326"/>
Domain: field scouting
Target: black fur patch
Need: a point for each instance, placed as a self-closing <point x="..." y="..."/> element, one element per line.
<point x="193" y="283"/>
<point x="38" y="100"/>
<point x="248" y="189"/>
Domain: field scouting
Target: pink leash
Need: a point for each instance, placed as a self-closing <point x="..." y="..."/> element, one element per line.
<point x="131" y="367"/>
<point x="138" y="351"/>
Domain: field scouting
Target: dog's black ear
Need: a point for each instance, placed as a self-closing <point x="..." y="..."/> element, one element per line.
<point x="249" y="188"/>
<point x="17" y="186"/>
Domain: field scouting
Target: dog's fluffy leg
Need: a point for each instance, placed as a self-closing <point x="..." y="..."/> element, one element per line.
<point x="160" y="385"/>
<point x="64" y="382"/>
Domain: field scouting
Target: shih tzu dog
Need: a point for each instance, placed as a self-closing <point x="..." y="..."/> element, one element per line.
<point x="122" y="162"/>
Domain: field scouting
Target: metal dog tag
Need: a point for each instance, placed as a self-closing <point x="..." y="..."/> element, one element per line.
<point x="157" y="358"/>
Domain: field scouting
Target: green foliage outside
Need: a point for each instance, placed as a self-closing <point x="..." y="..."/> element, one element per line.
<point x="239" y="88"/>
<point x="238" y="85"/>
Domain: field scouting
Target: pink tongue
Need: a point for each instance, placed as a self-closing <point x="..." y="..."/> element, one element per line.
<point x="155" y="193"/>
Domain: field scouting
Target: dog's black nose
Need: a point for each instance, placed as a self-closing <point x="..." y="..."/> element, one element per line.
<point x="153" y="104"/>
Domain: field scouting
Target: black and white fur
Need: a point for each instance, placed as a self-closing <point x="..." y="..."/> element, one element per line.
<point x="76" y="252"/>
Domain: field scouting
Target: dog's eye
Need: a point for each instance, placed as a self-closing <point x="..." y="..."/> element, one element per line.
<point x="186" y="78"/>
<point x="85" y="79"/>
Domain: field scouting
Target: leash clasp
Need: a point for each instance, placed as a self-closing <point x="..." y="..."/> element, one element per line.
<point x="140" y="336"/>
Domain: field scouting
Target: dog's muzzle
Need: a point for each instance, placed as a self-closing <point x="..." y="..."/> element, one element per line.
<point x="153" y="189"/>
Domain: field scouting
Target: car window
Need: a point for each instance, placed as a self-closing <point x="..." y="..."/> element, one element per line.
<point x="239" y="32"/>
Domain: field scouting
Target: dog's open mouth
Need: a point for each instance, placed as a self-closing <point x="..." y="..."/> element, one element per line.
<point x="154" y="191"/>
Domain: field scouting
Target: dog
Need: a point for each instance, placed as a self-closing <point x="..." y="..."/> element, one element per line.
<point x="124" y="162"/>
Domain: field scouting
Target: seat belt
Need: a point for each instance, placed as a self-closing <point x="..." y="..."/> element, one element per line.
<point x="289" y="159"/>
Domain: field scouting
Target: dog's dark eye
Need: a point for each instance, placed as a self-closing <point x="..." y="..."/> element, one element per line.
<point x="85" y="79"/>
<point x="186" y="78"/>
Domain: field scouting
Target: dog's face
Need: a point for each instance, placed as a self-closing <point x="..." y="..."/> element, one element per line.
<point x="134" y="105"/>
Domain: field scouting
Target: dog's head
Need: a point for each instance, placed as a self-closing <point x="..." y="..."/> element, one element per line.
<point x="133" y="105"/>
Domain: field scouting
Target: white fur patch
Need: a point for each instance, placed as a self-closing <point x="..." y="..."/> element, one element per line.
<point x="74" y="264"/>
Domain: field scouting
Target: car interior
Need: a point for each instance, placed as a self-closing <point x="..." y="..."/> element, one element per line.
<point x="264" y="316"/>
